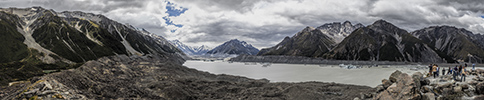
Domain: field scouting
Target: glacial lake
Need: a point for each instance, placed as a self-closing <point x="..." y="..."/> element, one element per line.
<point x="303" y="73"/>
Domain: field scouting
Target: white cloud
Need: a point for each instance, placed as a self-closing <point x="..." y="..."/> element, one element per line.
<point x="264" y="23"/>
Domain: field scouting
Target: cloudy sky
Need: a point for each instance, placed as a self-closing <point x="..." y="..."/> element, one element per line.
<point x="264" y="23"/>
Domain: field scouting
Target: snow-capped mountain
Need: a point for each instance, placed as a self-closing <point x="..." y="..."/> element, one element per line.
<point x="313" y="42"/>
<point x="338" y="31"/>
<point x="189" y="50"/>
<point x="234" y="47"/>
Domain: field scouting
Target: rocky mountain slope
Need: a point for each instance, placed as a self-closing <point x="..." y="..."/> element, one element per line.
<point x="460" y="44"/>
<point x="154" y="77"/>
<point x="234" y="46"/>
<point x="43" y="39"/>
<point x="200" y="50"/>
<point x="312" y="42"/>
<point x="382" y="41"/>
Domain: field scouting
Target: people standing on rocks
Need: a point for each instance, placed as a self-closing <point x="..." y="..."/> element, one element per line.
<point x="434" y="70"/>
<point x="464" y="74"/>
<point x="455" y="72"/>
<point x="438" y="70"/>
<point x="460" y="69"/>
<point x="443" y="71"/>
<point x="473" y="67"/>
<point x="450" y="71"/>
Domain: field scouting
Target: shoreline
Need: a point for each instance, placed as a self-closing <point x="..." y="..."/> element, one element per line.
<point x="319" y="61"/>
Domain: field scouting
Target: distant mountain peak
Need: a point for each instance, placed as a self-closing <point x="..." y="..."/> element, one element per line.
<point x="190" y="50"/>
<point x="234" y="46"/>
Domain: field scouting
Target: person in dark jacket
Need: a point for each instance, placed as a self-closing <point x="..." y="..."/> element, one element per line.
<point x="443" y="71"/>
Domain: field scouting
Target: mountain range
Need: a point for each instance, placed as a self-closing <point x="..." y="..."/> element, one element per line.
<point x="36" y="39"/>
<point x="230" y="48"/>
<point x="189" y="50"/>
<point x="312" y="42"/>
<point x="382" y="41"/>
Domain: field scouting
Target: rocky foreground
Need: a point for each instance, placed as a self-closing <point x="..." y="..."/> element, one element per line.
<point x="153" y="77"/>
<point x="401" y="86"/>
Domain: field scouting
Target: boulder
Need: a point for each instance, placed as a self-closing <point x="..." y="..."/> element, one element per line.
<point x="463" y="85"/>
<point x="380" y="88"/>
<point x="458" y="89"/>
<point x="403" y="88"/>
<point x="445" y="85"/>
<point x="386" y="83"/>
<point x="480" y="88"/>
<point x="428" y="96"/>
<point x="426" y="89"/>
<point x="417" y="78"/>
<point x="472" y="82"/>
<point x="394" y="76"/>
<point x="425" y="81"/>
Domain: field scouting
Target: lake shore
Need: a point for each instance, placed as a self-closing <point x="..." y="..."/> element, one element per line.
<point x="308" y="60"/>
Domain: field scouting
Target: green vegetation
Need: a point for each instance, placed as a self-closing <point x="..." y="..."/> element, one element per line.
<point x="29" y="67"/>
<point x="67" y="42"/>
<point x="12" y="47"/>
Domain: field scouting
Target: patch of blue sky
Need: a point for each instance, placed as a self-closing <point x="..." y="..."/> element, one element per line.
<point x="173" y="11"/>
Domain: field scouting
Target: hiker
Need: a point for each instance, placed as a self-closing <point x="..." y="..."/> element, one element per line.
<point x="473" y="67"/>
<point x="434" y="70"/>
<point x="438" y="70"/>
<point x="464" y="74"/>
<point x="430" y="70"/>
<point x="455" y="72"/>
<point x="460" y="69"/>
<point x="443" y="71"/>
<point x="449" y="72"/>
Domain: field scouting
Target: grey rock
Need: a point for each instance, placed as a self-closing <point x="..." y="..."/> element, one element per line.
<point x="428" y="96"/>
<point x="386" y="83"/>
<point x="394" y="76"/>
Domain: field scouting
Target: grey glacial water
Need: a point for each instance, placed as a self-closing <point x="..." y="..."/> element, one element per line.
<point x="302" y="73"/>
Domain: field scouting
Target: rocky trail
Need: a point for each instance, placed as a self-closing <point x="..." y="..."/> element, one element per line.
<point x="154" y="77"/>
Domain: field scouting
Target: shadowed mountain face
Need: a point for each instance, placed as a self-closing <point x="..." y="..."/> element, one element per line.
<point x="234" y="47"/>
<point x="458" y="43"/>
<point x="312" y="42"/>
<point x="382" y="41"/>
<point x="43" y="39"/>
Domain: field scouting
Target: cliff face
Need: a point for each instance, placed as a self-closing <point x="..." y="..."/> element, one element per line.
<point x="382" y="41"/>
<point x="460" y="44"/>
<point x="154" y="77"/>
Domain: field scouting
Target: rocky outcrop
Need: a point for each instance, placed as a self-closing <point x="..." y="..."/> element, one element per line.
<point x="154" y="77"/>
<point x="419" y="87"/>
